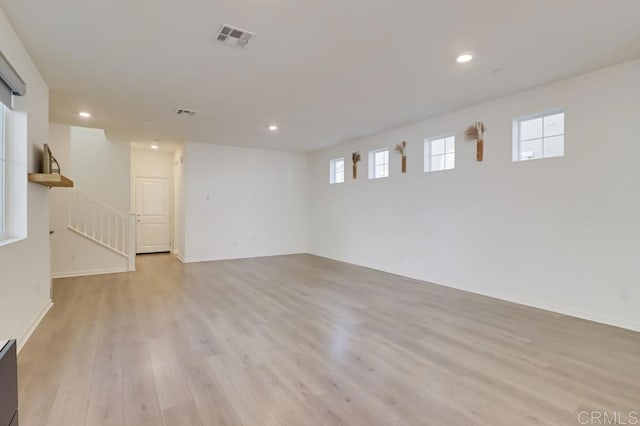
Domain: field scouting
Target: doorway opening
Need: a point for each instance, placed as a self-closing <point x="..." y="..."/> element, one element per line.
<point x="153" y="195"/>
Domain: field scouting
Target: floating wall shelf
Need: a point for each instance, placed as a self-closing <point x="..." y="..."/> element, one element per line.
<point x="51" y="180"/>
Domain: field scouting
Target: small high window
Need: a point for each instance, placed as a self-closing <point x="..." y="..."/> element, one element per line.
<point x="538" y="136"/>
<point x="440" y="154"/>
<point x="379" y="163"/>
<point x="336" y="170"/>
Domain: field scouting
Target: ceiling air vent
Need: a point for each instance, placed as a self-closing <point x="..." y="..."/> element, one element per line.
<point x="186" y="112"/>
<point x="234" y="36"/>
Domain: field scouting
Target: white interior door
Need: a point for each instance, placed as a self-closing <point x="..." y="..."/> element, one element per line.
<point x="153" y="204"/>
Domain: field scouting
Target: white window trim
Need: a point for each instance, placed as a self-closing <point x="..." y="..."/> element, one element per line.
<point x="427" y="151"/>
<point x="15" y="170"/>
<point x="515" y="150"/>
<point x="332" y="170"/>
<point x="372" y="166"/>
<point x="3" y="176"/>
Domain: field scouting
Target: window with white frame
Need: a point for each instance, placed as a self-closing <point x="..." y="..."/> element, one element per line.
<point x="538" y="136"/>
<point x="336" y="170"/>
<point x="2" y="174"/>
<point x="13" y="155"/>
<point x="379" y="163"/>
<point x="440" y="153"/>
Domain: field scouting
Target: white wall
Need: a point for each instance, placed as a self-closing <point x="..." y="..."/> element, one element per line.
<point x="561" y="234"/>
<point x="101" y="167"/>
<point x="71" y="253"/>
<point x="241" y="202"/>
<point x="25" y="265"/>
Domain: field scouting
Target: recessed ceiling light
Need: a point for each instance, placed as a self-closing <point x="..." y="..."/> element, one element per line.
<point x="84" y="114"/>
<point x="155" y="147"/>
<point x="465" y="57"/>
<point x="273" y="128"/>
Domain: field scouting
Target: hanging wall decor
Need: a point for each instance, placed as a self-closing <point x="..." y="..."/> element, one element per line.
<point x="476" y="133"/>
<point x="355" y="158"/>
<point x="401" y="149"/>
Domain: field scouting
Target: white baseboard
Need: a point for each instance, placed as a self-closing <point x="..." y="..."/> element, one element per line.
<point x="579" y="313"/>
<point x="180" y="258"/>
<point x="214" y="259"/>
<point x="571" y="311"/>
<point x="116" y="270"/>
<point x="33" y="327"/>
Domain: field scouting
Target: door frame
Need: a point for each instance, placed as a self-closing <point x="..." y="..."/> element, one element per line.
<point x="135" y="205"/>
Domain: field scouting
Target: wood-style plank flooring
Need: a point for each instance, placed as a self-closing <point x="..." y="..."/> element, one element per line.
<point x="302" y="340"/>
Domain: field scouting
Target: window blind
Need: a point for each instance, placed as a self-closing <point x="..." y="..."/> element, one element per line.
<point x="10" y="82"/>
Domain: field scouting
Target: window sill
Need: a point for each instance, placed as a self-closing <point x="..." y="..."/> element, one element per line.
<point x="8" y="241"/>
<point x="440" y="170"/>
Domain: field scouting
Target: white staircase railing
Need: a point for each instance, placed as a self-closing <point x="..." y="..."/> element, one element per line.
<point x="103" y="224"/>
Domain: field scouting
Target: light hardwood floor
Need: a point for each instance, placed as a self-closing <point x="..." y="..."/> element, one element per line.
<point x="302" y="340"/>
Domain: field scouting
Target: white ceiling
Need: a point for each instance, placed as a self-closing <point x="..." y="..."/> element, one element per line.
<point x="324" y="71"/>
<point x="165" y="147"/>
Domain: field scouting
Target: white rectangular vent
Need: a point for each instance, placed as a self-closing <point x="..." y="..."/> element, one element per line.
<point x="234" y="36"/>
<point x="187" y="112"/>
